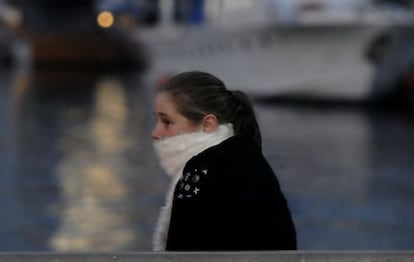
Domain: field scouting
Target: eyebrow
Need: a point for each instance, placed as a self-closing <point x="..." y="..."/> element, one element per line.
<point x="161" y="114"/>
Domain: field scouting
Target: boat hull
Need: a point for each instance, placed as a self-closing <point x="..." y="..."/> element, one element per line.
<point x="327" y="60"/>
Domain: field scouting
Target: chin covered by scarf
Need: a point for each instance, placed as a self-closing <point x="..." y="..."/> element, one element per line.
<point x="173" y="153"/>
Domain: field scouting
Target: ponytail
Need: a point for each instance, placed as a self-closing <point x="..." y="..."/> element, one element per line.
<point x="244" y="118"/>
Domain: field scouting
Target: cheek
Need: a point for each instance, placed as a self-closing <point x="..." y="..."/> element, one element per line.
<point x="168" y="130"/>
<point x="189" y="127"/>
<point x="180" y="127"/>
<point x="176" y="129"/>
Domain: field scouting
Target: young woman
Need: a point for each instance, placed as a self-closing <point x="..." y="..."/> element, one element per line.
<point x="224" y="194"/>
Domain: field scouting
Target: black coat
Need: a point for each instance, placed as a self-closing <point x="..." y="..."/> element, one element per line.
<point x="229" y="199"/>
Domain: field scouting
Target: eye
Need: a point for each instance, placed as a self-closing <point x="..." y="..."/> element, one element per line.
<point x="166" y="122"/>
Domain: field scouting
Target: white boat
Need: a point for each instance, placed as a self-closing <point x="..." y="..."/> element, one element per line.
<point x="266" y="48"/>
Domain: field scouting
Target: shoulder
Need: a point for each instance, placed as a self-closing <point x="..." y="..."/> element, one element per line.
<point x="233" y="150"/>
<point x="236" y="163"/>
<point x="234" y="158"/>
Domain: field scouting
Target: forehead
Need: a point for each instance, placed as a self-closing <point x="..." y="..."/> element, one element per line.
<point x="164" y="103"/>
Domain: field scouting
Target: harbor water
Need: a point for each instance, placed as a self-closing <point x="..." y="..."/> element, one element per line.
<point x="78" y="171"/>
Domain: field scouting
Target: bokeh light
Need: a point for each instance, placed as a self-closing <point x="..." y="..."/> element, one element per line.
<point x="105" y="19"/>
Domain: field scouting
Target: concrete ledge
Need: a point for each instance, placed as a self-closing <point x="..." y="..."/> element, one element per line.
<point x="300" y="256"/>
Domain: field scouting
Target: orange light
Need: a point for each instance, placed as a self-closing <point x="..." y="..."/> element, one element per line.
<point x="105" y="19"/>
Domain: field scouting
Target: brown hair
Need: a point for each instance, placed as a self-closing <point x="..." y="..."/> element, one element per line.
<point x="196" y="94"/>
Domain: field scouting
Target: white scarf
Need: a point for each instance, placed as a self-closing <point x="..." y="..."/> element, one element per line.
<point x="173" y="153"/>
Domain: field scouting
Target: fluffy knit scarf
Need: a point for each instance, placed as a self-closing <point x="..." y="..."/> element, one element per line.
<point x="173" y="153"/>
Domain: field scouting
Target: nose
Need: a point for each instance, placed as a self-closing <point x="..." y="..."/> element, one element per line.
<point x="155" y="134"/>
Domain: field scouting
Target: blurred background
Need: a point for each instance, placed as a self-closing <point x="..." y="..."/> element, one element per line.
<point x="332" y="82"/>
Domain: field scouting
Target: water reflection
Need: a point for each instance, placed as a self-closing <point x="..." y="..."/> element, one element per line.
<point x="346" y="173"/>
<point x="78" y="171"/>
<point x="391" y="187"/>
<point x="322" y="158"/>
<point x="25" y="213"/>
<point x="81" y="175"/>
<point x="90" y="176"/>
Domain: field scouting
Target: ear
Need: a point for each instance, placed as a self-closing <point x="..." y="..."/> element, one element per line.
<point x="210" y="123"/>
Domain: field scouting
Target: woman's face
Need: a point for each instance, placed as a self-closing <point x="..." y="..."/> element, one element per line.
<point x="169" y="122"/>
